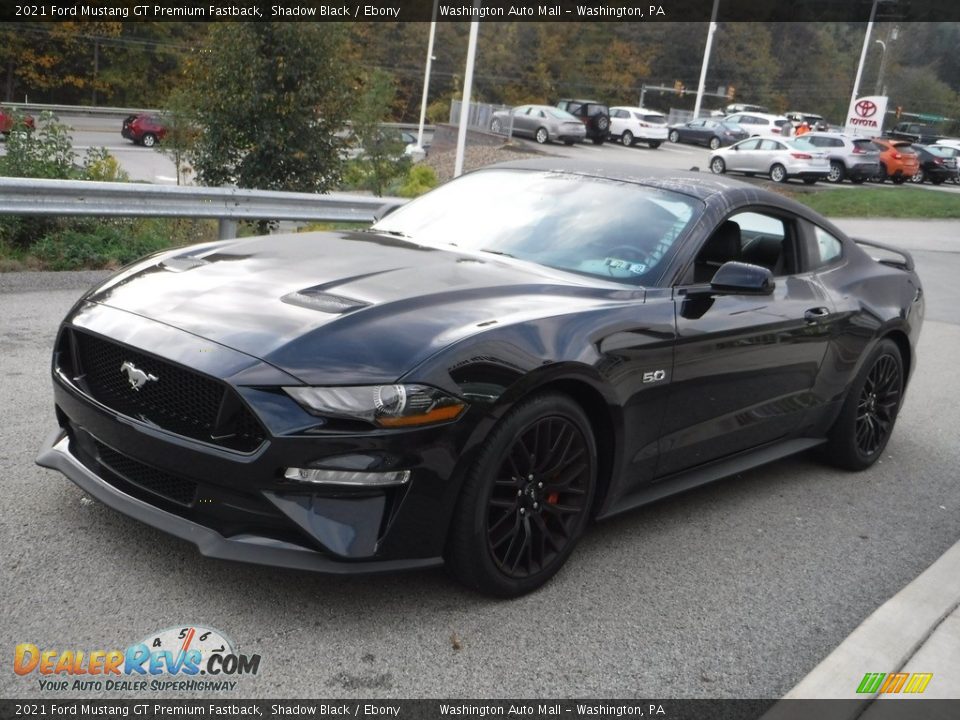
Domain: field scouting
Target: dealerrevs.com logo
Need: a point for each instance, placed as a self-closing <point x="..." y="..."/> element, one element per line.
<point x="176" y="659"/>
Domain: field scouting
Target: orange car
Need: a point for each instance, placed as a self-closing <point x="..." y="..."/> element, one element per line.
<point x="898" y="161"/>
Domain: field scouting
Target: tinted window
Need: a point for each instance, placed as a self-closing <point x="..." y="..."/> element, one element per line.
<point x="828" y="247"/>
<point x="652" y="118"/>
<point x="554" y="219"/>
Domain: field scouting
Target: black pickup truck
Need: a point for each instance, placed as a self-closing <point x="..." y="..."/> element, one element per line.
<point x="914" y="132"/>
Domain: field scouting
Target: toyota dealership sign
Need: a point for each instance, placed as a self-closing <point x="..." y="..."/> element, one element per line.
<point x="865" y="116"/>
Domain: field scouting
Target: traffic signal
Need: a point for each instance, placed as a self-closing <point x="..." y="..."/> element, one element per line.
<point x="731" y="91"/>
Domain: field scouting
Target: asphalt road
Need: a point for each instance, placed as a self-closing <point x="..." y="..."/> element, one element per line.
<point x="737" y="589"/>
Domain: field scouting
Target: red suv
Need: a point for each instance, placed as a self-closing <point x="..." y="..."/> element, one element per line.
<point x="144" y="129"/>
<point x="7" y="118"/>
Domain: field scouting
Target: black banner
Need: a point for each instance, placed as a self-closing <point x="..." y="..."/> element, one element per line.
<point x="379" y="709"/>
<point x="488" y="10"/>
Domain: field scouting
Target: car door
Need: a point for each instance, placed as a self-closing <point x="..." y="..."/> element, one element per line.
<point x="695" y="131"/>
<point x="619" y="121"/>
<point x="745" y="364"/>
<point x="741" y="155"/>
<point x="521" y="120"/>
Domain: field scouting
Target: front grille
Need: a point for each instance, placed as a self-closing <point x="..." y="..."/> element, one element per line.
<point x="174" y="398"/>
<point x="173" y="488"/>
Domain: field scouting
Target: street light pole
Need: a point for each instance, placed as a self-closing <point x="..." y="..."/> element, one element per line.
<point x="467" y="90"/>
<point x="706" y="59"/>
<point x="426" y="76"/>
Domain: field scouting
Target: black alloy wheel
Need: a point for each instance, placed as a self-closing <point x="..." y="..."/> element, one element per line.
<point x="527" y="500"/>
<point x="869" y="412"/>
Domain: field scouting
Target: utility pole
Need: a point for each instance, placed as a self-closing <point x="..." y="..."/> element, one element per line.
<point x="706" y="59"/>
<point x="467" y="90"/>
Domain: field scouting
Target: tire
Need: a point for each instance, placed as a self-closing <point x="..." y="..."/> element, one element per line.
<point x="654" y="144"/>
<point x="603" y="124"/>
<point x="496" y="126"/>
<point x="919" y="177"/>
<point x="861" y="431"/>
<point x="627" y="138"/>
<point x="542" y="136"/>
<point x="715" y="143"/>
<point x="718" y="166"/>
<point x="149" y="140"/>
<point x="674" y="136"/>
<point x="882" y="175"/>
<point x="778" y="173"/>
<point x="809" y="181"/>
<point x="547" y="518"/>
<point x="837" y="172"/>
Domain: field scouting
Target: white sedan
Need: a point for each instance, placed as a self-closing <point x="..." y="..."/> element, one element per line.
<point x="634" y="124"/>
<point x="778" y="159"/>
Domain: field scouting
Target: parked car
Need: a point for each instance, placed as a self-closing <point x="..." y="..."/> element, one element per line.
<point x="541" y="122"/>
<point x="744" y="107"/>
<point x="898" y="161"/>
<point x="814" y="121"/>
<point x="712" y="133"/>
<point x="595" y="117"/>
<point x="144" y="129"/>
<point x="936" y="165"/>
<point x="915" y="133"/>
<point x="755" y="124"/>
<point x="8" y="120"/>
<point x="480" y="374"/>
<point x="635" y="124"/>
<point x="779" y="159"/>
<point x="949" y="142"/>
<point x="854" y="158"/>
<point x="950" y="151"/>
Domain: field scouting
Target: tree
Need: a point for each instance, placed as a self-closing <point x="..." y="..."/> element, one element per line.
<point x="182" y="133"/>
<point x="381" y="151"/>
<point x="269" y="99"/>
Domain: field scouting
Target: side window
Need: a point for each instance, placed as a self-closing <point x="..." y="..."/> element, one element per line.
<point x="770" y="145"/>
<point x="752" y="237"/>
<point x="749" y="144"/>
<point x="828" y="247"/>
<point x="836" y="142"/>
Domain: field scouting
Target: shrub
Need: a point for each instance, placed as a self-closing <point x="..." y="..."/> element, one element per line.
<point x="419" y="180"/>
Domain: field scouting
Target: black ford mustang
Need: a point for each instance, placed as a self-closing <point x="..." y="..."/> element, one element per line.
<point x="481" y="373"/>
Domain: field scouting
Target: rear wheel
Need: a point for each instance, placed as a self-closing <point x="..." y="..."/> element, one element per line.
<point x="837" y="172"/>
<point x="627" y="138"/>
<point x="714" y="143"/>
<point x="861" y="431"/>
<point x="526" y="500"/>
<point x="674" y="136"/>
<point x="919" y="176"/>
<point x="718" y="166"/>
<point x="778" y="173"/>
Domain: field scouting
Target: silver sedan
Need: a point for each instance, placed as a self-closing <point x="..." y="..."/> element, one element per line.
<point x="778" y="159"/>
<point x="541" y="122"/>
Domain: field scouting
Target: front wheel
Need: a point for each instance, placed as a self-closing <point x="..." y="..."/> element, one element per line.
<point x="542" y="135"/>
<point x="778" y="173"/>
<point x="149" y="140"/>
<point x="718" y="166"/>
<point x="526" y="500"/>
<point x="674" y="136"/>
<point x="918" y="177"/>
<point x="627" y="138"/>
<point x="861" y="431"/>
<point x="715" y="143"/>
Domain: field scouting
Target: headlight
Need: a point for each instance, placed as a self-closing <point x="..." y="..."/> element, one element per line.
<point x="384" y="405"/>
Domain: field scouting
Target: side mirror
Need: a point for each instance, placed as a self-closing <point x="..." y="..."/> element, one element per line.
<point x="738" y="277"/>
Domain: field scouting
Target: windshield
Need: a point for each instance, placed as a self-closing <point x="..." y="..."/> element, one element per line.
<point x="603" y="228"/>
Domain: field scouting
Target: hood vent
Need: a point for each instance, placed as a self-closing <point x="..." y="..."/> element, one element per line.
<point x="315" y="299"/>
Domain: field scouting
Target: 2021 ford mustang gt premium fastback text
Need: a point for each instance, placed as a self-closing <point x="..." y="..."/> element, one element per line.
<point x="481" y="373"/>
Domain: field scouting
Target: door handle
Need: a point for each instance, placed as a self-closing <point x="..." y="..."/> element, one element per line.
<point x="816" y="314"/>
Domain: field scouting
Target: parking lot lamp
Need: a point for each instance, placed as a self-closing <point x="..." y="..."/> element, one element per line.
<point x="426" y="76"/>
<point x="706" y="60"/>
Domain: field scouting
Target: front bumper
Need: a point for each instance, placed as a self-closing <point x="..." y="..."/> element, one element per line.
<point x="57" y="455"/>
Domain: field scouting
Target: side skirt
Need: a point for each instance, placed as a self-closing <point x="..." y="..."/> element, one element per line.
<point x="716" y="470"/>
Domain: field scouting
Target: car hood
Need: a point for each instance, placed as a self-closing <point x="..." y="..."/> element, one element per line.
<point x="342" y="308"/>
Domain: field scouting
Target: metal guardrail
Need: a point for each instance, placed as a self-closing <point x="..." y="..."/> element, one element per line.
<point x="29" y="196"/>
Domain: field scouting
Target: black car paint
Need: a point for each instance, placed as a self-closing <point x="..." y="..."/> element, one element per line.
<point x="745" y="378"/>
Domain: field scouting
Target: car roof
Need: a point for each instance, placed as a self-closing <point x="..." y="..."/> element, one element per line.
<point x="577" y="100"/>
<point x="765" y="116"/>
<point x="634" y="108"/>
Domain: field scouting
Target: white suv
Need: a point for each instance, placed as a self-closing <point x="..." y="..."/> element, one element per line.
<point x="757" y="123"/>
<point x="635" y="124"/>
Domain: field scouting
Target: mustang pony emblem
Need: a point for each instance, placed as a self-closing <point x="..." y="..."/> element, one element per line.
<point x="137" y="377"/>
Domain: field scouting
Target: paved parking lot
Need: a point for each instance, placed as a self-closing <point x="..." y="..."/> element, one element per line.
<point x="732" y="590"/>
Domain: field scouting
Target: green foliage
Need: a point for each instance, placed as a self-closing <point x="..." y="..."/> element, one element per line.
<point x="182" y="133"/>
<point x="892" y="202"/>
<point x="100" y="165"/>
<point x="270" y="97"/>
<point x="381" y="157"/>
<point x="420" y="179"/>
<point x="46" y="152"/>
